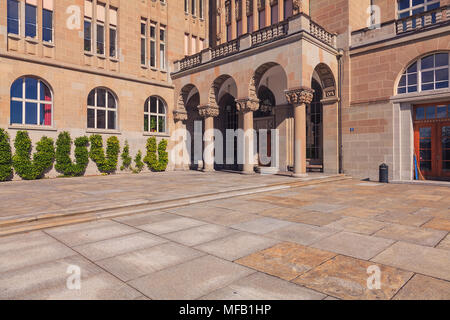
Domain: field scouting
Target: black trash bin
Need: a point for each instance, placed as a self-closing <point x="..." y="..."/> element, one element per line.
<point x="384" y="173"/>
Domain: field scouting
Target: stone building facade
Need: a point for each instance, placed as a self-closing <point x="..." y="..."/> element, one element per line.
<point x="346" y="84"/>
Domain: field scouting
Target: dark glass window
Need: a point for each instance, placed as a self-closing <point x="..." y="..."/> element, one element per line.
<point x="13" y="16"/>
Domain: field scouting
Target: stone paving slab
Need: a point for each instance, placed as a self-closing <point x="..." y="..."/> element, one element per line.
<point x="262" y="225"/>
<point x="286" y="260"/>
<point x="78" y="234"/>
<point x="259" y="286"/>
<point x="145" y="218"/>
<point x="438" y="224"/>
<point x="171" y="225"/>
<point x="194" y="279"/>
<point x="198" y="235"/>
<point x="354" y="245"/>
<point x="138" y="263"/>
<point x="117" y="246"/>
<point x="445" y="243"/>
<point x="301" y="216"/>
<point x="425" y="260"/>
<point x="236" y="246"/>
<point x="302" y="233"/>
<point x="421" y="287"/>
<point x="357" y="225"/>
<point x="415" y="220"/>
<point x="346" y="278"/>
<point x="359" y="212"/>
<point x="422" y="236"/>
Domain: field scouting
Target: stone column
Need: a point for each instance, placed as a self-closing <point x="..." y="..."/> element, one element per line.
<point x="179" y="116"/>
<point x="247" y="107"/>
<point x="208" y="112"/>
<point x="299" y="98"/>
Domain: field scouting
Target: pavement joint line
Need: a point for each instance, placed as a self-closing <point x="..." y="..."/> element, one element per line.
<point x="13" y="225"/>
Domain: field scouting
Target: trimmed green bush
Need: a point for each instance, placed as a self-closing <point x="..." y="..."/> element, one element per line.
<point x="64" y="163"/>
<point x="105" y="164"/>
<point x="42" y="161"/>
<point x="156" y="163"/>
<point x="139" y="165"/>
<point x="126" y="159"/>
<point x="5" y="156"/>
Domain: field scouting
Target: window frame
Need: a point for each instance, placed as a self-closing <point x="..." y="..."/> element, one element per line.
<point x="419" y="72"/>
<point x="8" y="18"/>
<point x="143" y="37"/>
<point x="153" y="56"/>
<point x="158" y="115"/>
<point x="24" y="100"/>
<point x="106" y="108"/>
<point x="36" y="25"/>
<point x="162" y="48"/>
<point x="412" y="8"/>
<point x="52" y="29"/>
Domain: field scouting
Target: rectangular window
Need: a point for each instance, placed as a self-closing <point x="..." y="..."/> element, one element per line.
<point x="30" y="18"/>
<point x="47" y="21"/>
<point x="200" y="9"/>
<point x="229" y="32"/>
<point x="186" y="6"/>
<point x="201" y="44"/>
<point x="250" y="28"/>
<point x="113" y="32"/>
<point x="13" y="17"/>
<point x="193" y="45"/>
<point x="153" y="45"/>
<point x="193" y="7"/>
<point x="143" y="43"/>
<point x="100" y="29"/>
<point x="274" y="14"/>
<point x="239" y="28"/>
<point x="262" y="19"/>
<point x="186" y="44"/>
<point x="88" y="26"/>
<point x="162" y="48"/>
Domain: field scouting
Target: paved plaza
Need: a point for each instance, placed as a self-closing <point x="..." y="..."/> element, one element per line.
<point x="318" y="241"/>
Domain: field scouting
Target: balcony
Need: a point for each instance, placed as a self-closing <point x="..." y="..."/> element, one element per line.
<point x="294" y="25"/>
<point x="389" y="30"/>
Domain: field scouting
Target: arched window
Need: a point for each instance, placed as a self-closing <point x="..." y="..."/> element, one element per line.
<point x="428" y="73"/>
<point x="31" y="102"/>
<point x="101" y="109"/>
<point x="155" y="115"/>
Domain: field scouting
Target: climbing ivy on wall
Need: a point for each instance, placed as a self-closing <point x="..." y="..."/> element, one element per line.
<point x="108" y="163"/>
<point x="154" y="162"/>
<point x="27" y="168"/>
<point x="5" y="156"/>
<point x="64" y="163"/>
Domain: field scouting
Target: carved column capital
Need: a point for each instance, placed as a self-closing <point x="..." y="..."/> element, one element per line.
<point x="247" y="105"/>
<point x="301" y="95"/>
<point x="297" y="6"/>
<point x="180" y="115"/>
<point x="207" y="111"/>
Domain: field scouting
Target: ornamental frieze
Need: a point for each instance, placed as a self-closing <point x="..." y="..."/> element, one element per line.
<point x="207" y="111"/>
<point x="298" y="96"/>
<point x="247" y="105"/>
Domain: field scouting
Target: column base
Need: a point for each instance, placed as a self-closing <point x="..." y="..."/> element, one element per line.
<point x="299" y="175"/>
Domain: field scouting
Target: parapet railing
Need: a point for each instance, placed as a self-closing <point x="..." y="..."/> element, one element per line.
<point x="296" y="24"/>
<point x="423" y="20"/>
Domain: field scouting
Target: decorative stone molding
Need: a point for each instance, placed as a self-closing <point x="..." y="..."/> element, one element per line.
<point x="249" y="7"/>
<point x="273" y="2"/>
<point x="261" y="5"/>
<point x="247" y="105"/>
<point x="207" y="111"/>
<point x="301" y="95"/>
<point x="297" y="6"/>
<point x="238" y="10"/>
<point x="180" y="115"/>
<point x="228" y="12"/>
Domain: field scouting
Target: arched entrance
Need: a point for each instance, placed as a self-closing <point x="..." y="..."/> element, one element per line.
<point x="229" y="118"/>
<point x="314" y="130"/>
<point x="264" y="122"/>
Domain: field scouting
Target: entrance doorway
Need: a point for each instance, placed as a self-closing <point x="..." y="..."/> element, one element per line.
<point x="314" y="130"/>
<point x="432" y="140"/>
<point x="264" y="121"/>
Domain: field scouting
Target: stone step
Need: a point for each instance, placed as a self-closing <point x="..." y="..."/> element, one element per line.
<point x="54" y="219"/>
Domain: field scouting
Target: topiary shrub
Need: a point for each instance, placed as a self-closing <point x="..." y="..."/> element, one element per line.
<point x="153" y="162"/>
<point x="5" y="157"/>
<point x="105" y="164"/>
<point x="42" y="161"/>
<point x="126" y="159"/>
<point x="139" y="164"/>
<point x="64" y="163"/>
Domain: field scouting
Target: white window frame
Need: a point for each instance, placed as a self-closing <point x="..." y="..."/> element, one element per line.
<point x="419" y="74"/>
<point x="411" y="8"/>
<point x="143" y="37"/>
<point x="36" y="31"/>
<point x="158" y="115"/>
<point x="106" y="109"/>
<point x="162" y="48"/>
<point x="24" y="100"/>
<point x="153" y="41"/>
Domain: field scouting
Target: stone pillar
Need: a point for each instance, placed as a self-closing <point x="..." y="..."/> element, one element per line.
<point x="179" y="116"/>
<point x="247" y="107"/>
<point x="208" y="112"/>
<point x="330" y="122"/>
<point x="299" y="98"/>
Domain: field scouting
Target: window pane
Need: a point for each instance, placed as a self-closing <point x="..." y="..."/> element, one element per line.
<point x="441" y="59"/>
<point x="31" y="88"/>
<point x="30" y="113"/>
<point x="30" y="21"/>
<point x="428" y="62"/>
<point x="441" y="112"/>
<point x="426" y="87"/>
<point x="101" y="119"/>
<point x="146" y="105"/>
<point x="111" y="101"/>
<point x="427" y="76"/>
<point x="442" y="85"/>
<point x="101" y="98"/>
<point x="47" y="25"/>
<point x="45" y="117"/>
<point x="431" y="112"/>
<point x="112" y="42"/>
<point x="91" y="98"/>
<point x="153" y="124"/>
<point x="161" y="108"/>
<point x="153" y="103"/>
<point x="425" y="132"/>
<point x="143" y="51"/>
<point x="111" y="120"/>
<point x="45" y="94"/>
<point x="412" y="79"/>
<point x="402" y="82"/>
<point x="13" y="16"/>
<point x="16" y="112"/>
<point x="16" y="89"/>
<point x="442" y="75"/>
<point x="91" y="118"/>
<point x="100" y="39"/>
<point x="145" y="122"/>
<point x="87" y="36"/>
<point x="162" y="124"/>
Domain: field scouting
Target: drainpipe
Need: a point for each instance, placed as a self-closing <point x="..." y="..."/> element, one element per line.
<point x="340" y="67"/>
